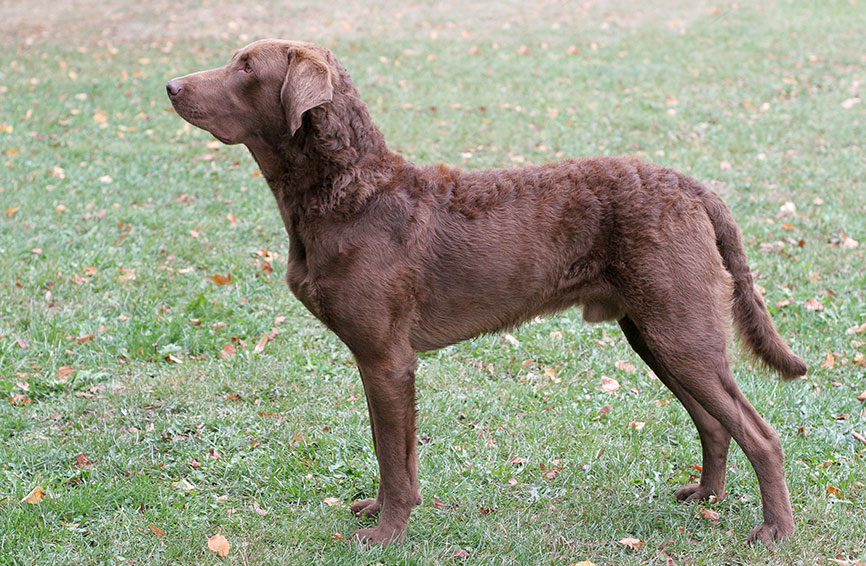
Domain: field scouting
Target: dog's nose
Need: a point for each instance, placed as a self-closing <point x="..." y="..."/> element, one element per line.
<point x="173" y="87"/>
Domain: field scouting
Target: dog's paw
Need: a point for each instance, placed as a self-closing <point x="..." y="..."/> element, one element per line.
<point x="695" y="492"/>
<point x="365" y="507"/>
<point x="378" y="535"/>
<point x="768" y="533"/>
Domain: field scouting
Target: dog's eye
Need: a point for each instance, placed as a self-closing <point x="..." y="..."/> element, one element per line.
<point x="247" y="68"/>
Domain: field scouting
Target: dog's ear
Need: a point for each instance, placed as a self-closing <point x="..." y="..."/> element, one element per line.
<point x="307" y="85"/>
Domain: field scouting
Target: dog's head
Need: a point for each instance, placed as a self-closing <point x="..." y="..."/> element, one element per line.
<point x="264" y="90"/>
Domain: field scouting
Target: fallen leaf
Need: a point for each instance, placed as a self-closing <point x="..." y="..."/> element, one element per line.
<point x="22" y="343"/>
<point x="63" y="374"/>
<point x="156" y="530"/>
<point x="632" y="543"/>
<point x="84" y="338"/>
<point x="460" y="553"/>
<point x="605" y="410"/>
<point x="858" y="436"/>
<point x="638" y="425"/>
<point x="438" y="504"/>
<point x="331" y="501"/>
<point x="711" y="515"/>
<point x="173" y="358"/>
<point x="608" y="384"/>
<point x="36" y="495"/>
<point x="126" y="275"/>
<point x="625" y="366"/>
<point x="862" y="397"/>
<point x="232" y="219"/>
<point x="583" y="563"/>
<point x="829" y="361"/>
<point x="849" y="103"/>
<point x="219" y="544"/>
<point x="83" y="461"/>
<point x="220" y="279"/>
<point x="512" y="481"/>
<point x="260" y="345"/>
<point x="258" y="509"/>
<point x="183" y="484"/>
<point x="337" y="536"/>
<point x="832" y="490"/>
<point x="12" y="211"/>
<point x="517" y="460"/>
<point x="857" y="329"/>
<point x="228" y="352"/>
<point x="511" y="339"/>
<point x="814" y="305"/>
<point x="193" y="463"/>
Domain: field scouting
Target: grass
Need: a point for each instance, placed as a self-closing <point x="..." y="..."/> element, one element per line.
<point x="113" y="218"/>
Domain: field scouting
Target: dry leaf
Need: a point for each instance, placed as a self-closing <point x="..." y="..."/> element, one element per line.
<point x="814" y="305"/>
<point x="632" y="543"/>
<point x="63" y="374"/>
<point x="711" y="515"/>
<point x="36" y="495"/>
<point x="258" y="509"/>
<point x="260" y="345"/>
<point x="219" y="544"/>
<point x="608" y="384"/>
<point x="156" y="530"/>
<point x="12" y="211"/>
<point x="173" y="358"/>
<point x="460" y="553"/>
<point x="849" y="103"/>
<point x="829" y="361"/>
<point x="583" y="563"/>
<point x="337" y="536"/>
<point x="832" y="490"/>
<point x="858" y="436"/>
<point x="862" y="397"/>
<point x="517" y="460"/>
<point x="625" y="366"/>
<point x="221" y="279"/>
<point x="438" y="504"/>
<point x="193" y="463"/>
<point x="232" y="219"/>
<point x="228" y="352"/>
<point x="638" y="425"/>
<point x="857" y="329"/>
<point x="83" y="461"/>
<point x="511" y="339"/>
<point x="605" y="410"/>
<point x="331" y="501"/>
<point x="183" y="484"/>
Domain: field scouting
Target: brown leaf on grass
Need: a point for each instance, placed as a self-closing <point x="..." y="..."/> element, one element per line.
<point x="183" y="484"/>
<point x="156" y="530"/>
<point x="126" y="275"/>
<point x="83" y="461"/>
<point x="517" y="460"/>
<point x="220" y="279"/>
<point x="36" y="495"/>
<point x="331" y="501"/>
<point x="605" y="410"/>
<point x="232" y="219"/>
<point x="173" y="358"/>
<point x="460" y="553"/>
<point x="832" y="490"/>
<point x="258" y="509"/>
<point x="228" y="352"/>
<point x="267" y="268"/>
<point x="858" y="436"/>
<point x="608" y="384"/>
<point x="862" y="397"/>
<point x="63" y="374"/>
<point x="711" y="515"/>
<point x="11" y="211"/>
<point x="22" y="343"/>
<point x="813" y="305"/>
<point x="551" y="473"/>
<point x="631" y="542"/>
<point x="338" y="536"/>
<point x="857" y="329"/>
<point x="84" y="338"/>
<point x="625" y="366"/>
<point x="193" y="463"/>
<point x="829" y="361"/>
<point x="438" y="504"/>
<point x="219" y="544"/>
<point x="260" y="345"/>
<point x="637" y="425"/>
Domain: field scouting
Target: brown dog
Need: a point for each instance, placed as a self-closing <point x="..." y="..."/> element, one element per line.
<point x="397" y="258"/>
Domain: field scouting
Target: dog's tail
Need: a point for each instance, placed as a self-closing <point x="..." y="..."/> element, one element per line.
<point x="751" y="318"/>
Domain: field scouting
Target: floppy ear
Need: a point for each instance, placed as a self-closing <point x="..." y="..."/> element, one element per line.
<point x="307" y="85"/>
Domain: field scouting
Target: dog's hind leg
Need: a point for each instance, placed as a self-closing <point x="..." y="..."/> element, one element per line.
<point x="689" y="347"/>
<point x="715" y="440"/>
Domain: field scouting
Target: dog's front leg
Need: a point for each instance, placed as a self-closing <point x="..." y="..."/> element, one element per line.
<point x="390" y="387"/>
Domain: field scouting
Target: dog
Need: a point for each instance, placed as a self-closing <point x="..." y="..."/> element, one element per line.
<point x="397" y="258"/>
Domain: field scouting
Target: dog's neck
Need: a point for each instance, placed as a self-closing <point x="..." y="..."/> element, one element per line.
<point x="330" y="164"/>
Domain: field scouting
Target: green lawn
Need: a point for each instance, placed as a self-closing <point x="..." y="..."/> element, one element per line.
<point x="115" y="215"/>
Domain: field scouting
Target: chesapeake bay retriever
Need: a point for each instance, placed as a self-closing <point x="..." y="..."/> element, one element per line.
<point x="398" y="258"/>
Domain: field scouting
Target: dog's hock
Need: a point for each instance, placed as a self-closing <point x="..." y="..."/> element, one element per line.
<point x="307" y="84"/>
